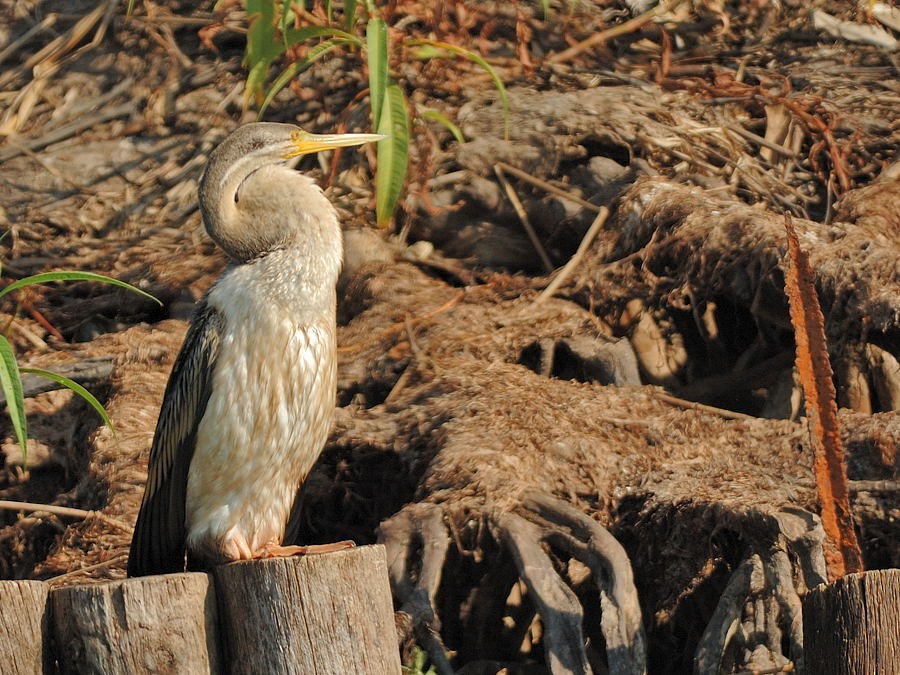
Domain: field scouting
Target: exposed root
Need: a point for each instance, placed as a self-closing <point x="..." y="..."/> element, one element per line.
<point x="590" y="543"/>
<point x="804" y="535"/>
<point x="557" y="604"/>
<point x="760" y="607"/>
<point x="510" y="411"/>
<point x="778" y="576"/>
<point x="726" y="620"/>
<point x="418" y="526"/>
<point x="417" y="543"/>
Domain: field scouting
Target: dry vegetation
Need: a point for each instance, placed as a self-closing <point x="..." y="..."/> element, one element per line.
<point x="624" y="465"/>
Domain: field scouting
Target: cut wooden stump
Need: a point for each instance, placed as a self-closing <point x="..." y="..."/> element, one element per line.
<point x="852" y="627"/>
<point x="156" y="624"/>
<point x="309" y="615"/>
<point x="23" y="624"/>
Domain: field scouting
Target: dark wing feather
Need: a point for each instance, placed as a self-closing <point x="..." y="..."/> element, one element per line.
<point x="158" y="544"/>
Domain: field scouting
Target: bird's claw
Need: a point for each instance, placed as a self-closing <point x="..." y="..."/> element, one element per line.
<point x="273" y="550"/>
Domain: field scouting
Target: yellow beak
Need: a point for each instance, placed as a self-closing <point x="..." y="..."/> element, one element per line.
<point x="305" y="143"/>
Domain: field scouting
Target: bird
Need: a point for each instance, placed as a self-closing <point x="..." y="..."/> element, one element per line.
<point x="249" y="402"/>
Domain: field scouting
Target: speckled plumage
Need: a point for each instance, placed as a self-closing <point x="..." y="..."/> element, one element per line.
<point x="284" y="364"/>
<point x="249" y="403"/>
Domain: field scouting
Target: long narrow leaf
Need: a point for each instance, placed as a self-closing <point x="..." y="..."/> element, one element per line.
<point x="287" y="16"/>
<point x="472" y="56"/>
<point x="349" y="13"/>
<point x="377" y="56"/>
<point x="442" y="119"/>
<point x="78" y="389"/>
<point x="296" y="67"/>
<point x="45" y="277"/>
<point x="393" y="153"/>
<point x="295" y="36"/>
<point x="15" y="400"/>
<point x="262" y="47"/>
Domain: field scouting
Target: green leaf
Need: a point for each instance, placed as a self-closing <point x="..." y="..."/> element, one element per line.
<point x="297" y="35"/>
<point x="262" y="47"/>
<point x="291" y="71"/>
<point x="45" y="277"/>
<point x="287" y="18"/>
<point x="377" y="55"/>
<point x="78" y="389"/>
<point x="393" y="153"/>
<point x="442" y="119"/>
<point x="15" y="400"/>
<point x="435" y="45"/>
<point x="349" y="13"/>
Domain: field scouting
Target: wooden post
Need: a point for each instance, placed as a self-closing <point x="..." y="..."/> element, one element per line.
<point x="852" y="626"/>
<point x="157" y="624"/>
<point x="309" y="615"/>
<point x="23" y="628"/>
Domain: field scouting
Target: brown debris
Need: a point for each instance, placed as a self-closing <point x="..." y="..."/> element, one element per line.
<point x="475" y="415"/>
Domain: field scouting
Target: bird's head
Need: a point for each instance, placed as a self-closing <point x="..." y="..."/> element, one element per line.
<point x="251" y="201"/>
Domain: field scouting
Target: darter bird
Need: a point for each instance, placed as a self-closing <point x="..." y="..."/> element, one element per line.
<point x="249" y="402"/>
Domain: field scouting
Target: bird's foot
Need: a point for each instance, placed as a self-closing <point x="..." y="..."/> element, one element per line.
<point x="274" y="550"/>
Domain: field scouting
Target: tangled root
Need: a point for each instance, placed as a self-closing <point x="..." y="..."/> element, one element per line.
<point x="756" y="624"/>
<point x="543" y="522"/>
<point x="760" y="609"/>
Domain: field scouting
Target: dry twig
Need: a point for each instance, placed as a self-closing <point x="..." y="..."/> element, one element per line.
<point x="629" y="26"/>
<point x="523" y="217"/>
<point x="64" y="512"/>
<point x="570" y="266"/>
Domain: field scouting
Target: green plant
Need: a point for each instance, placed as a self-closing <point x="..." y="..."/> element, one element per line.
<point x="272" y="32"/>
<point x="419" y="662"/>
<point x="11" y="373"/>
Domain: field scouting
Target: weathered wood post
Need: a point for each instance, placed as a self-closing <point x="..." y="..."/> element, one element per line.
<point x="158" y="624"/>
<point x="310" y="615"/>
<point x="852" y="626"/>
<point x="24" y="622"/>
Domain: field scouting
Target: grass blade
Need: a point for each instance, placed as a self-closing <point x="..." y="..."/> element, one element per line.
<point x="62" y="275"/>
<point x="393" y="154"/>
<point x="471" y="56"/>
<point x="287" y="17"/>
<point x="296" y="35"/>
<point x="349" y="13"/>
<point x="78" y="389"/>
<point x="440" y="118"/>
<point x="291" y="71"/>
<point x="262" y="47"/>
<point x="377" y="54"/>
<point x="15" y="401"/>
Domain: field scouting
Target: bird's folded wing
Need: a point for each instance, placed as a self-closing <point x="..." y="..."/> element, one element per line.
<point x="158" y="545"/>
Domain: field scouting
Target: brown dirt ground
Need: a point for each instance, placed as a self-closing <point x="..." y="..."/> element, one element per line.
<point x="105" y="137"/>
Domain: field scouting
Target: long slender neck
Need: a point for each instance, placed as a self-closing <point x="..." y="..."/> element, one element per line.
<point x="254" y="208"/>
<point x="218" y="194"/>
